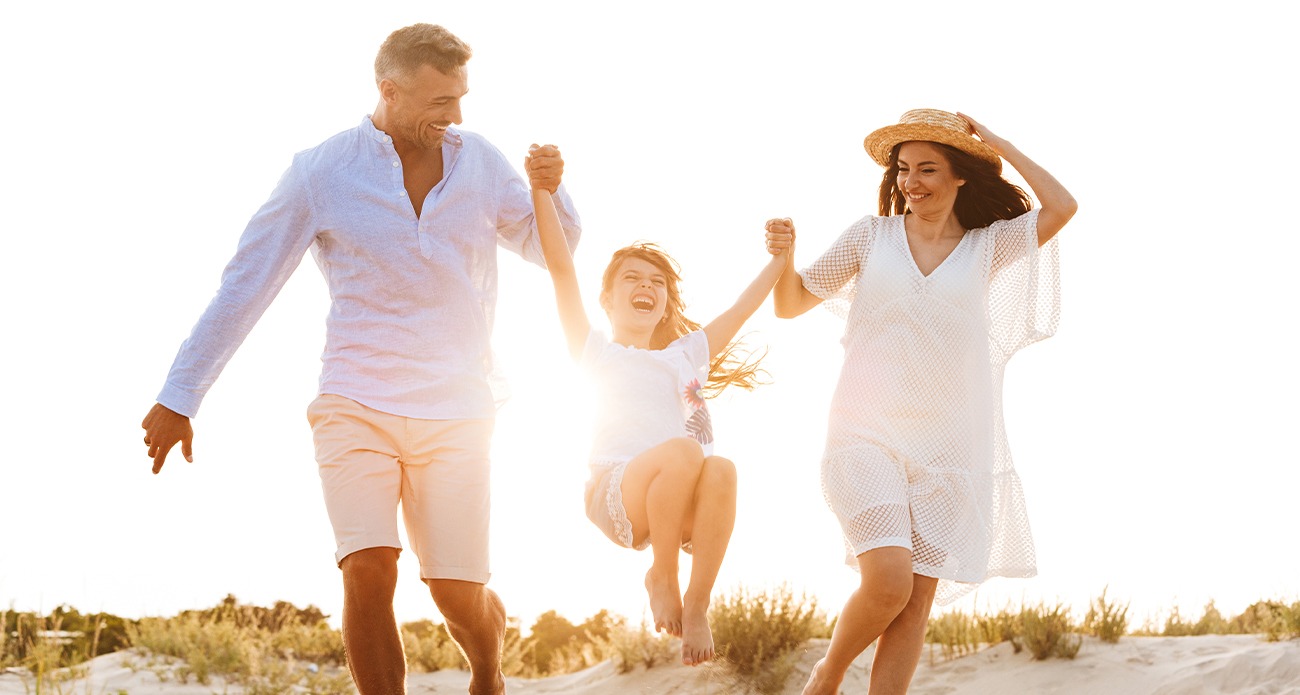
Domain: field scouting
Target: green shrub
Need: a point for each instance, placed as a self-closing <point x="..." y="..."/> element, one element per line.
<point x="556" y="646"/>
<point x="429" y="648"/>
<point x="261" y="649"/>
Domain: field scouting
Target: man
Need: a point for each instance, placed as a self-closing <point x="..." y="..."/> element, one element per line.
<point x="403" y="214"/>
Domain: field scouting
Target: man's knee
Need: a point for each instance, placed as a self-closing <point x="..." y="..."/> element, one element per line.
<point x="372" y="569"/>
<point x="456" y="597"/>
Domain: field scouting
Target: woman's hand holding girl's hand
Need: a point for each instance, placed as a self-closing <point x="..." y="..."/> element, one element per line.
<point x="998" y="144"/>
<point x="780" y="235"/>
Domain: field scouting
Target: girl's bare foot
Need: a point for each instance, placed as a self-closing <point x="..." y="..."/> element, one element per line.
<point x="822" y="683"/>
<point x="665" y="601"/>
<point x="697" y="638"/>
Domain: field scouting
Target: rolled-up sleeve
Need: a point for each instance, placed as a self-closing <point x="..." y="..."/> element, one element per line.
<point x="516" y="225"/>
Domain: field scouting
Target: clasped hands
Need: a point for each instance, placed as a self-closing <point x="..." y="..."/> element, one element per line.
<point x="544" y="167"/>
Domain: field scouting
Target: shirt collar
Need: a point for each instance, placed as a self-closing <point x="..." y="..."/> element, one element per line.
<point x="452" y="137"/>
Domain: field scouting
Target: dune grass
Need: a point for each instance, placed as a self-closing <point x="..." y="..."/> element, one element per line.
<point x="758" y="634"/>
<point x="1051" y="631"/>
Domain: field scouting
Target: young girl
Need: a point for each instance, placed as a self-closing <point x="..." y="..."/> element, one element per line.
<point x="655" y="480"/>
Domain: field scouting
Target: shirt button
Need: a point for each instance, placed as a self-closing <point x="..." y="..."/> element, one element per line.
<point x="397" y="163"/>
<point x="387" y="139"/>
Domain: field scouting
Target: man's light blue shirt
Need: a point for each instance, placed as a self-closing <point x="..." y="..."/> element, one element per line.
<point x="412" y="299"/>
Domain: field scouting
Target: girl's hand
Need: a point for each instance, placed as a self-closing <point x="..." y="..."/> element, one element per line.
<point x="998" y="144"/>
<point x="545" y="167"/>
<point x="780" y="235"/>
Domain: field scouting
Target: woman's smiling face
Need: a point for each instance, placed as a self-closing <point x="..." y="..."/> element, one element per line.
<point x="925" y="177"/>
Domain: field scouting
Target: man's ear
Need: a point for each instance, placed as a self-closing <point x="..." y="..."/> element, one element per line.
<point x="388" y="90"/>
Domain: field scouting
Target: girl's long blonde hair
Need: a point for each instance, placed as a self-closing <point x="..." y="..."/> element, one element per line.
<point x="732" y="367"/>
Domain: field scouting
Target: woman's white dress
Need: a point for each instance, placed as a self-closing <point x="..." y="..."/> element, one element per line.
<point x="916" y="453"/>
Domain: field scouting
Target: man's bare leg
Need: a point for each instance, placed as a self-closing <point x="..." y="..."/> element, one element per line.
<point x="370" y="636"/>
<point x="711" y="522"/>
<point x="884" y="592"/>
<point x="476" y="619"/>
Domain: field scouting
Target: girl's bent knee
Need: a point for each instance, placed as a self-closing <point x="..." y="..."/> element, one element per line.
<point x="720" y="472"/>
<point x="688" y="448"/>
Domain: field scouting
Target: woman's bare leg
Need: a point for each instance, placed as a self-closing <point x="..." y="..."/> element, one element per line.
<point x="885" y="591"/>
<point x="901" y="644"/>
<point x="709" y="531"/>
<point x="658" y="492"/>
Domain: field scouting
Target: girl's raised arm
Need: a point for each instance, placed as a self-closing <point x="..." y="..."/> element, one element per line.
<point x="721" y="330"/>
<point x="1057" y="205"/>
<point x="559" y="262"/>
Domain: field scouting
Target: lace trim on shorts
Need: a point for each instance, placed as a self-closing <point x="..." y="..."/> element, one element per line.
<point x="617" y="513"/>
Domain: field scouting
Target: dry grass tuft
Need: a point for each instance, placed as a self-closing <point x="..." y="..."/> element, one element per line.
<point x="758" y="633"/>
<point x="1106" y="620"/>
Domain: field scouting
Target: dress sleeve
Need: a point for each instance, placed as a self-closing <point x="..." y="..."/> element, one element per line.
<point x="833" y="277"/>
<point x="1024" y="299"/>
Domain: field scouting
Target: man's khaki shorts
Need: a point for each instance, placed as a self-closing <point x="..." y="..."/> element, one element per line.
<point x="437" y="469"/>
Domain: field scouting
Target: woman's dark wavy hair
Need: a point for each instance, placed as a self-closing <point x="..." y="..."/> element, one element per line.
<point x="984" y="199"/>
<point x="732" y="366"/>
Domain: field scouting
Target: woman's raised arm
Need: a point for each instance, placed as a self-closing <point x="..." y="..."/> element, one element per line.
<point x="1057" y="205"/>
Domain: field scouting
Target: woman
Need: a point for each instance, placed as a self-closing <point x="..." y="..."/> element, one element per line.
<point x="938" y="292"/>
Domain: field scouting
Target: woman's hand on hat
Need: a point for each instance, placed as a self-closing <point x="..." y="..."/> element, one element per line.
<point x="780" y="235"/>
<point x="998" y="144"/>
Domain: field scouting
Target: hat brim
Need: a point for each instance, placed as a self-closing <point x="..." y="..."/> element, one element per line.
<point x="880" y="143"/>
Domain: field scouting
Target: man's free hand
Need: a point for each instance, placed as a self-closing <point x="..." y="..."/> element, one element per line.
<point x="163" y="427"/>
<point x="544" y="166"/>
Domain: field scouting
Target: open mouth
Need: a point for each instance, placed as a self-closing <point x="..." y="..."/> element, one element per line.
<point x="643" y="305"/>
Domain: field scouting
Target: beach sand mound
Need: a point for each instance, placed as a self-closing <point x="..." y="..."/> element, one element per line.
<point x="1211" y="664"/>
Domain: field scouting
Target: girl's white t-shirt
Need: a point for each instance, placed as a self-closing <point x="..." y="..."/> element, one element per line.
<point x="646" y="397"/>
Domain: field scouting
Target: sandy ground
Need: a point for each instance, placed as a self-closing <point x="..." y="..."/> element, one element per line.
<point x="1137" y="665"/>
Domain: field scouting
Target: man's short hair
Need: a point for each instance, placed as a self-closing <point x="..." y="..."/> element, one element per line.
<point x="409" y="48"/>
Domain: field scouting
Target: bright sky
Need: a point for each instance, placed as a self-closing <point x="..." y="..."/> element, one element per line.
<point x="1151" y="432"/>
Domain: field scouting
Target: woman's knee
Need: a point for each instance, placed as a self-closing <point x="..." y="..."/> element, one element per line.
<point x="887" y="577"/>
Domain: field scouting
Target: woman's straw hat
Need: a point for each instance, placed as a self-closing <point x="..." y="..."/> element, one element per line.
<point x="928" y="125"/>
